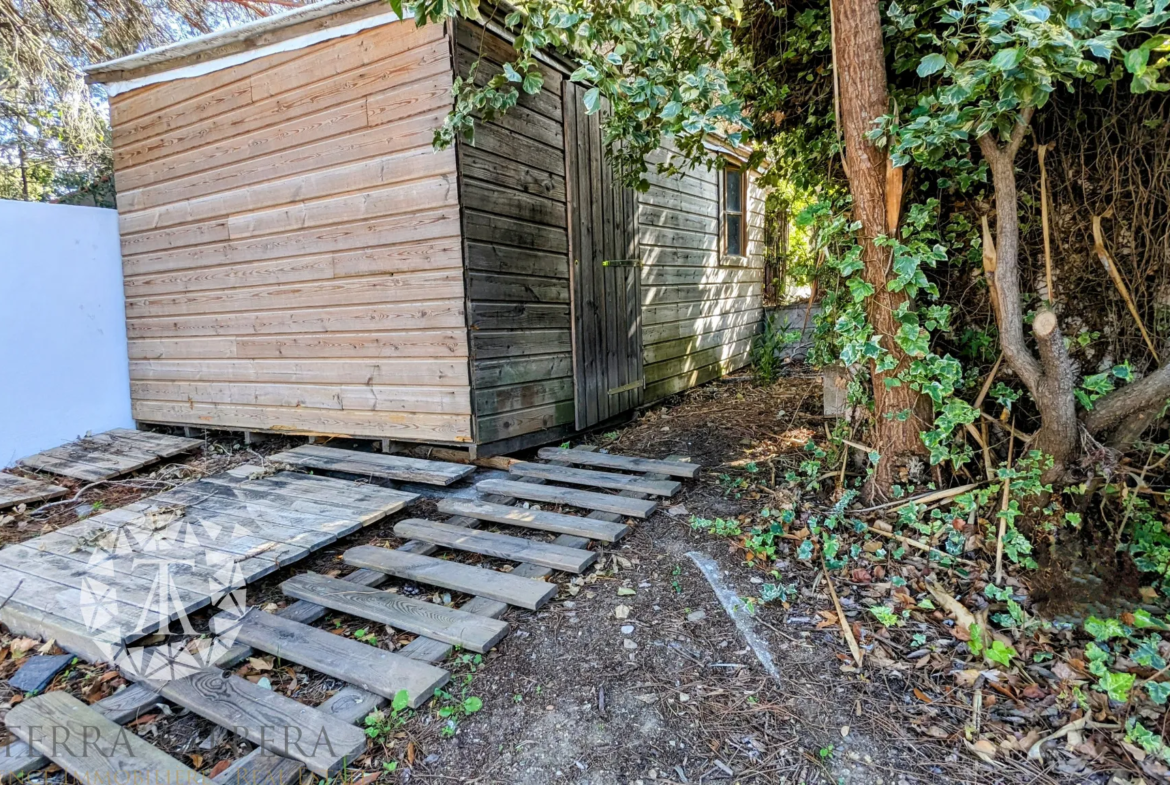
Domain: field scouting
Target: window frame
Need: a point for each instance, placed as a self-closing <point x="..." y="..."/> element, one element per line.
<point x="724" y="239"/>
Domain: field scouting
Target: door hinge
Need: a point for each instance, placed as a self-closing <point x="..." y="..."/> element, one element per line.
<point x="627" y="387"/>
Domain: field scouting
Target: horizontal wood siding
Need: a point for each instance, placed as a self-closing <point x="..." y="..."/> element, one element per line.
<point x="515" y="219"/>
<point x="291" y="242"/>
<point x="699" y="313"/>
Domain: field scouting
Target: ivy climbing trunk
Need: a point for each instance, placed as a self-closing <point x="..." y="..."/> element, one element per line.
<point x="901" y="414"/>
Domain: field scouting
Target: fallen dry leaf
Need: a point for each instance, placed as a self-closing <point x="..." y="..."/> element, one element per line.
<point x="219" y="768"/>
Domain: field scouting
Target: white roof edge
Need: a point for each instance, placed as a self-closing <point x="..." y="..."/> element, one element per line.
<point x="220" y="38"/>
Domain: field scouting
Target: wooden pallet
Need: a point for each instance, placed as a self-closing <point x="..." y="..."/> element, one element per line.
<point x="255" y="522"/>
<point x="20" y="490"/>
<point x="288" y="634"/>
<point x="374" y="465"/>
<point x="109" y="454"/>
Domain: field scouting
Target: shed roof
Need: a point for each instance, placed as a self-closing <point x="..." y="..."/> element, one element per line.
<point x="290" y="29"/>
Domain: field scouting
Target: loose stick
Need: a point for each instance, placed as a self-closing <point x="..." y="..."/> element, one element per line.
<point x="926" y="498"/>
<point x="854" y="649"/>
<point x="1007" y="484"/>
<point x="987" y="383"/>
<point x="1040" y="151"/>
<point x="920" y="545"/>
<point x="987" y="464"/>
<point x="1119" y="282"/>
<point x="1024" y="437"/>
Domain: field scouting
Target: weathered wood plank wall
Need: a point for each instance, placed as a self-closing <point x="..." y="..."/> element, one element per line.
<point x="699" y="313"/>
<point x="515" y="219"/>
<point x="291" y="242"/>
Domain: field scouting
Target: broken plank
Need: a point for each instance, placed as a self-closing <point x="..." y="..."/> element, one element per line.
<point x="620" y="462"/>
<point x="501" y="546"/>
<point x="604" y="502"/>
<point x="21" y="490"/>
<point x="370" y="668"/>
<point x="422" y="618"/>
<point x="501" y="586"/>
<point x="541" y="520"/>
<point x="266" y="718"/>
<point x="108" y="753"/>
<point x="390" y="467"/>
<point x="616" y="482"/>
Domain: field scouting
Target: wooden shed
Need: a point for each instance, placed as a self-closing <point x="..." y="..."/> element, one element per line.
<point x="298" y="258"/>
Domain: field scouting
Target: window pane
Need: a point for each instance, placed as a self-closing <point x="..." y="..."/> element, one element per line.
<point x="734" y="191"/>
<point x="733" y="235"/>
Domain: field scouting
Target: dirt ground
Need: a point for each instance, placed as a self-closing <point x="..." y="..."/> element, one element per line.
<point x="635" y="674"/>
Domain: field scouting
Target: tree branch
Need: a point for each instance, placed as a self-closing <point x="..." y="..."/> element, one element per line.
<point x="1005" y="280"/>
<point x="1139" y="399"/>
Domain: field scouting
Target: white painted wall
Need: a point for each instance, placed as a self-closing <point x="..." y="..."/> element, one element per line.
<point x="63" y="364"/>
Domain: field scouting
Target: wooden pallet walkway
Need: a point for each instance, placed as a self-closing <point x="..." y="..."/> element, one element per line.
<point x="595" y="479"/>
<point x="282" y="766"/>
<point x="53" y="582"/>
<point x="404" y="613"/>
<point x="501" y="546"/>
<point x="601" y="502"/>
<point x="324" y="744"/>
<point x="21" y="490"/>
<point x="541" y="520"/>
<point x="375" y="670"/>
<point x="109" y="454"/>
<point x="620" y="462"/>
<point x="369" y="464"/>
<point x="92" y="748"/>
<point x="354" y="703"/>
<point x="501" y="586"/>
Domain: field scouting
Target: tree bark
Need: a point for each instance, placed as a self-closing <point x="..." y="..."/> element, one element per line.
<point x="860" y="63"/>
<point x="1051" y="379"/>
<point x="1131" y="409"/>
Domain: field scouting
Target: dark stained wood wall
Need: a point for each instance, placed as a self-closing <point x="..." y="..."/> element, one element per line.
<point x="516" y="247"/>
<point x="605" y="277"/>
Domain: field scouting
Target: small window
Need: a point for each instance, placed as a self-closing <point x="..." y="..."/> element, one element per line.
<point x="733" y="219"/>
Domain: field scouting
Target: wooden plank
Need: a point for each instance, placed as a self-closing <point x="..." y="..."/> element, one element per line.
<point x="372" y="316"/>
<point x="616" y="482"/>
<point x="592" y="501"/>
<point x="535" y="519"/>
<point x="500" y="546"/>
<point x="314" y="422"/>
<point x="422" y="618"/>
<point x="109" y="454"/>
<point x="164" y="445"/>
<point x="390" y="467"/>
<point x="278" y="724"/>
<point x="620" y="462"/>
<point x="90" y="747"/>
<point x="480" y="581"/>
<point x="379" y="501"/>
<point x="50" y="605"/>
<point x="20" y="490"/>
<point x="374" y="670"/>
<point x="126" y="586"/>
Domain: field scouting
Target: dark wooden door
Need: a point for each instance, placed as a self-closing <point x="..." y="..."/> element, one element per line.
<point x="605" y="273"/>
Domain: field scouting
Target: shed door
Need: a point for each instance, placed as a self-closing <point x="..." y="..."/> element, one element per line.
<point x="605" y="273"/>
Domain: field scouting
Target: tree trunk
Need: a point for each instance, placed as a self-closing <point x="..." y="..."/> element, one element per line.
<point x="860" y="64"/>
<point x="1052" y="378"/>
